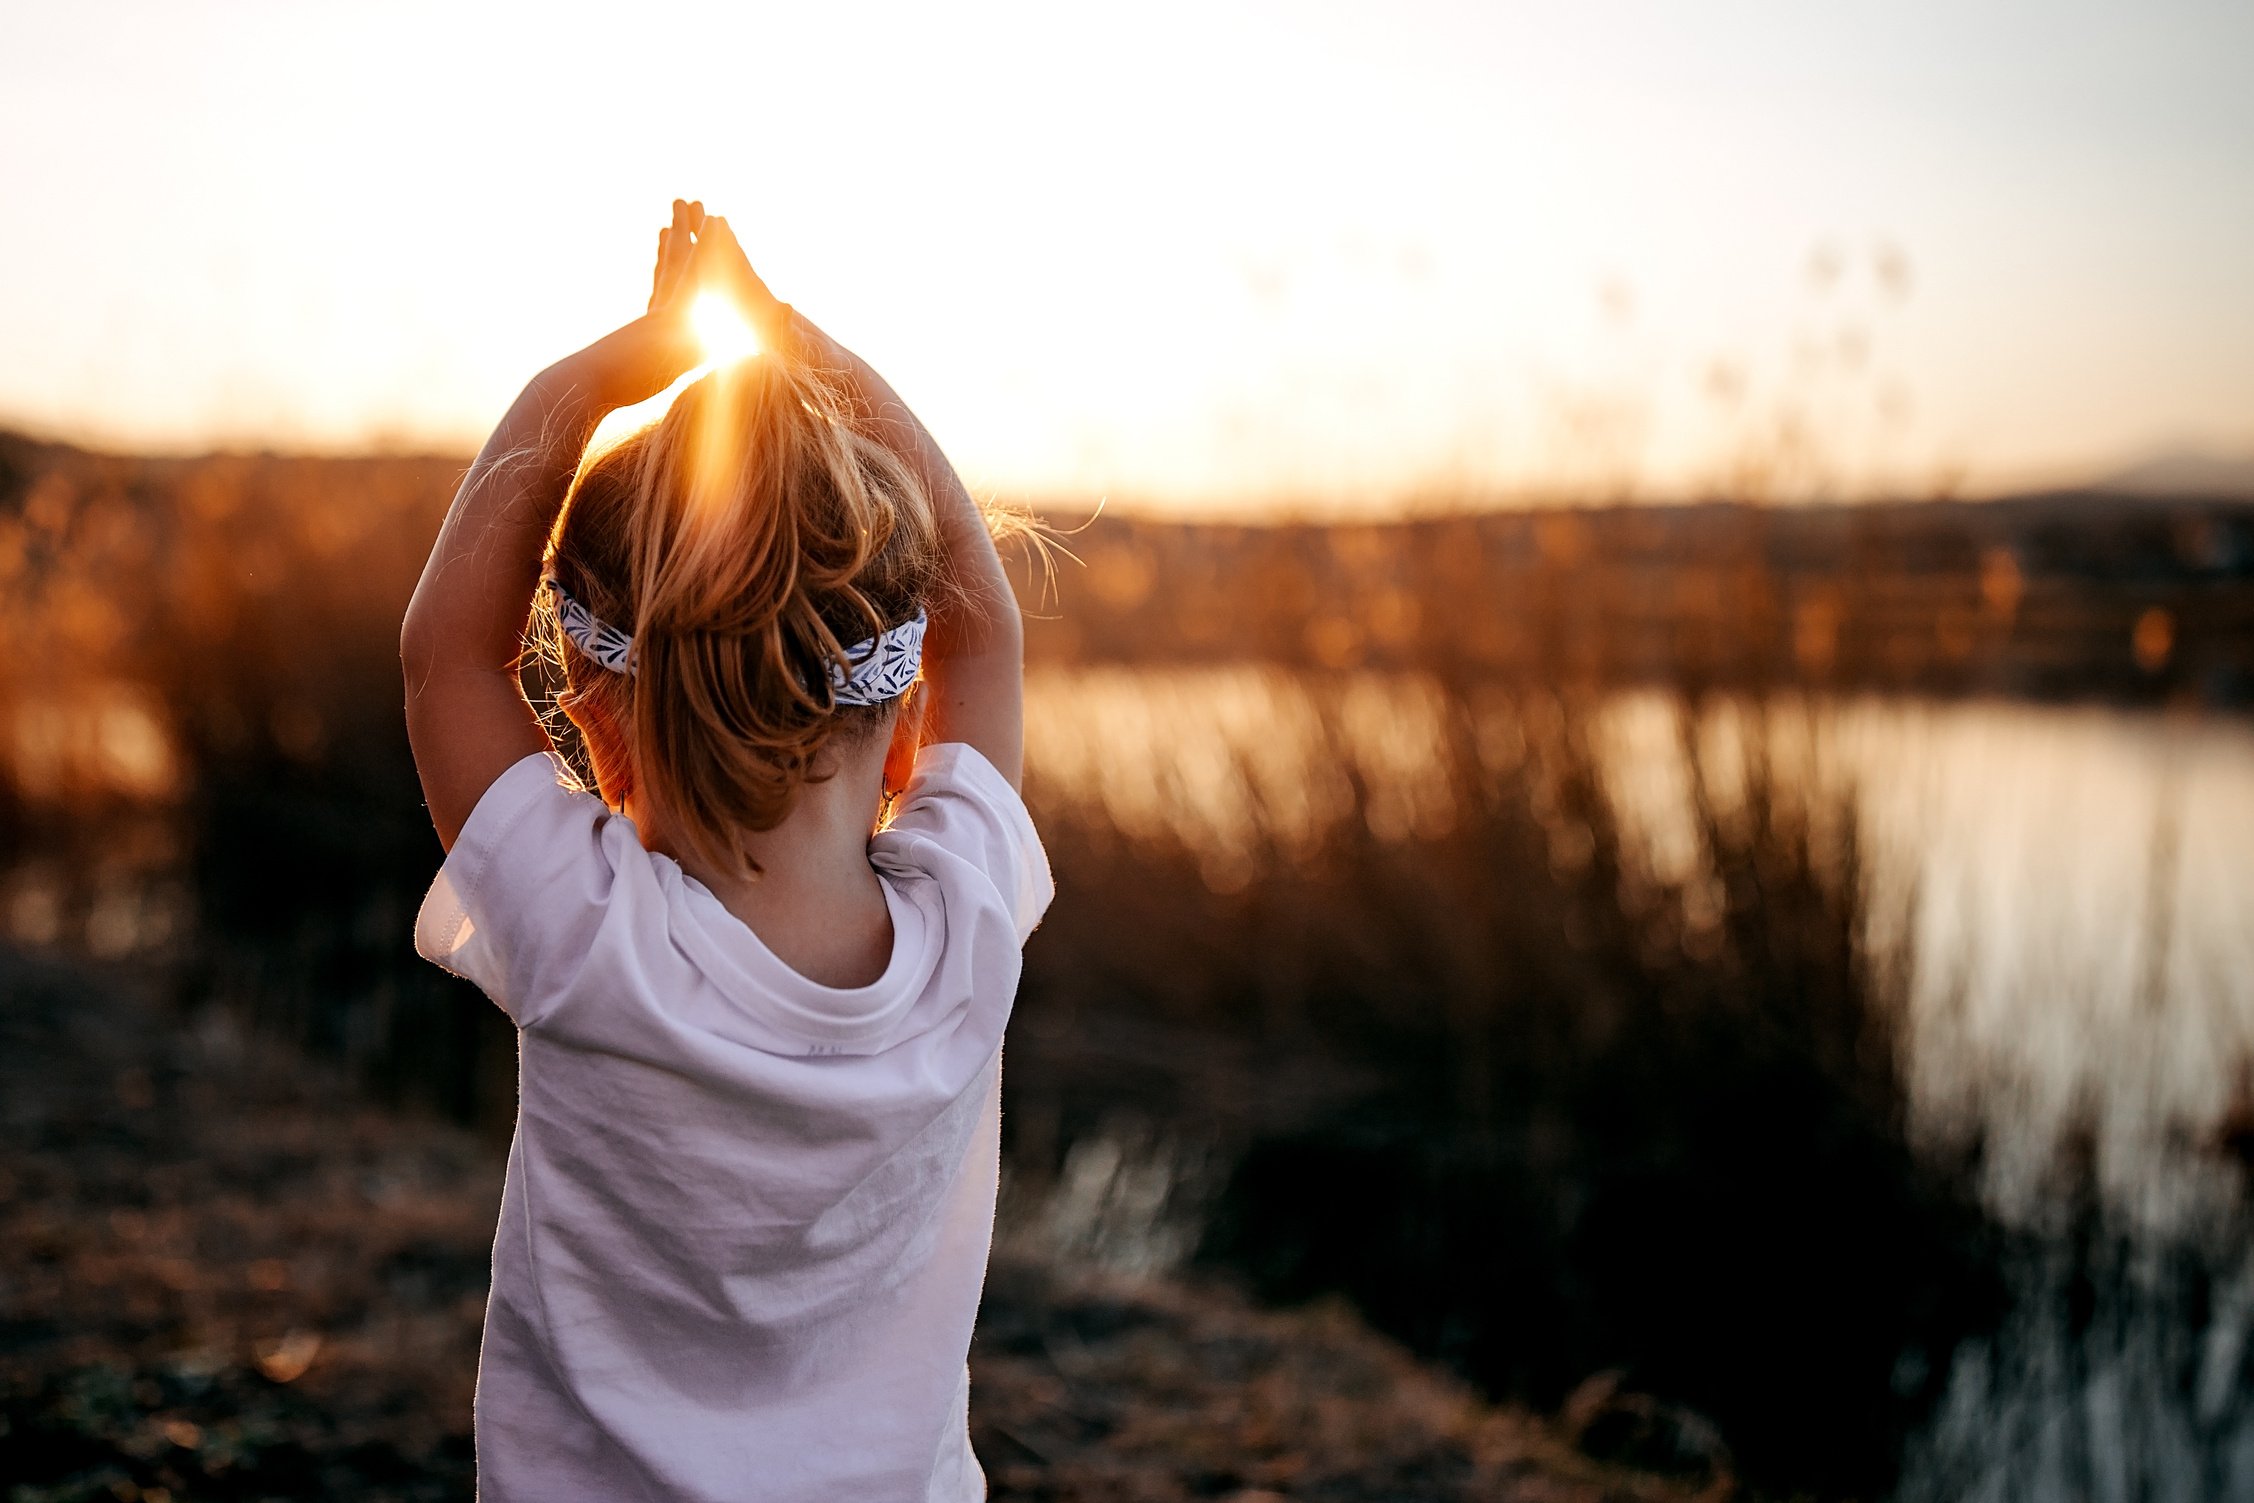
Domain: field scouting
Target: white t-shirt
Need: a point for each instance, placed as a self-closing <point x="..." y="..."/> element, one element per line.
<point x="747" y="1216"/>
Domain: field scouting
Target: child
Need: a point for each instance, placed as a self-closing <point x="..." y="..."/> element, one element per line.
<point x="752" y="1187"/>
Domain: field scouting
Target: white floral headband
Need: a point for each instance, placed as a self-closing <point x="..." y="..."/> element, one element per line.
<point x="877" y="669"/>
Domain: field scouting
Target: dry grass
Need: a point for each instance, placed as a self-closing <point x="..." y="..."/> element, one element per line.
<point x="224" y="1274"/>
<point x="1541" y="1110"/>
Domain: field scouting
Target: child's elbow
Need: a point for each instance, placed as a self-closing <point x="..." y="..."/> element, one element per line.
<point x="418" y="648"/>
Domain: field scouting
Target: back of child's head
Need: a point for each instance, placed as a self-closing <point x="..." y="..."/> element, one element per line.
<point x="746" y="541"/>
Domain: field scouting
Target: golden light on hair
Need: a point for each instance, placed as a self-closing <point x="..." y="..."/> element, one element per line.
<point x="722" y="331"/>
<point x="738" y="534"/>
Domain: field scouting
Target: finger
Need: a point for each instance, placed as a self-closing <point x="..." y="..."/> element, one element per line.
<point x="658" y="268"/>
<point x="724" y="247"/>
<point x="674" y="258"/>
<point x="726" y="256"/>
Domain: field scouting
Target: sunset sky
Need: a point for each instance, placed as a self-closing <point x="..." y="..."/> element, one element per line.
<point x="1203" y="255"/>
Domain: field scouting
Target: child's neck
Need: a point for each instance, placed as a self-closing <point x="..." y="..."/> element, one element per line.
<point x="816" y="903"/>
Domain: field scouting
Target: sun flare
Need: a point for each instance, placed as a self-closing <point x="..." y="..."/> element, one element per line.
<point x="721" y="330"/>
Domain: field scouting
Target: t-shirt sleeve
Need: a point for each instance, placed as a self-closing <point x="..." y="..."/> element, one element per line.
<point x="520" y="899"/>
<point x="962" y="804"/>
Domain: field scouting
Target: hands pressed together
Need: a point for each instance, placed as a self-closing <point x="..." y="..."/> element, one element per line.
<point x="697" y="255"/>
<point x="462" y="641"/>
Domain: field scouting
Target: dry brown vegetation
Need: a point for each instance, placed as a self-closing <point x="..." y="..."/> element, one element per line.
<point x="224" y="1275"/>
<point x="1543" y="1110"/>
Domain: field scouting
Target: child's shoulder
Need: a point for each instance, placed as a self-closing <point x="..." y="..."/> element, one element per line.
<point x="960" y="818"/>
<point x="528" y="885"/>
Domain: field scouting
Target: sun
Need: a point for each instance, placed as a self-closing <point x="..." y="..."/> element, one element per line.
<point x="721" y="330"/>
<point x="724" y="337"/>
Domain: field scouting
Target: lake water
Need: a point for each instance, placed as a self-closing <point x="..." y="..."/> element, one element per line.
<point x="2071" y="890"/>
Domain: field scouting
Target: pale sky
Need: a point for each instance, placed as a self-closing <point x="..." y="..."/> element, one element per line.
<point x="1205" y="255"/>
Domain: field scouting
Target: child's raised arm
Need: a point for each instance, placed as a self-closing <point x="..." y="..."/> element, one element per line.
<point x="974" y="661"/>
<point x="467" y="717"/>
<point x="974" y="658"/>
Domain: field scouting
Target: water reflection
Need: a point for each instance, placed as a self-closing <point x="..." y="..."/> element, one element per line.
<point x="97" y="742"/>
<point x="2074" y="882"/>
<point x="2064" y="892"/>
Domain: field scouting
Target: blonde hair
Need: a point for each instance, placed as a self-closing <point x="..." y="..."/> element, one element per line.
<point x="745" y="539"/>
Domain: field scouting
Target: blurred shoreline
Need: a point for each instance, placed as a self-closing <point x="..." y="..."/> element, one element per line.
<point x="2078" y="594"/>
